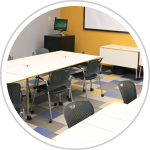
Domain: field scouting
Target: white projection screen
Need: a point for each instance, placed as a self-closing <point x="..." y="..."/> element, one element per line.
<point x="98" y="20"/>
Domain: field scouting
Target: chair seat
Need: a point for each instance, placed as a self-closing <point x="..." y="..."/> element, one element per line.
<point x="19" y="105"/>
<point x="80" y="76"/>
<point x="44" y="89"/>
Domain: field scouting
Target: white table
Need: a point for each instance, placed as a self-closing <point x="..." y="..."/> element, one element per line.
<point x="40" y="64"/>
<point x="134" y="102"/>
<point x="97" y="126"/>
<point x="119" y="55"/>
<point x="11" y="78"/>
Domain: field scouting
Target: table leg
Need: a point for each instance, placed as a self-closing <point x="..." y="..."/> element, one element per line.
<point x="27" y="86"/>
<point x="140" y="72"/>
<point x="136" y="74"/>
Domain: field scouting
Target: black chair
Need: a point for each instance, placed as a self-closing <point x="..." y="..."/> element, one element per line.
<point x="60" y="82"/>
<point x="41" y="51"/>
<point x="92" y="71"/>
<point x="9" y="57"/>
<point x="128" y="91"/>
<point x="77" y="111"/>
<point x="15" y="93"/>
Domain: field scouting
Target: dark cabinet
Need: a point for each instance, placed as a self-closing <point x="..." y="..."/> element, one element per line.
<point x="58" y="42"/>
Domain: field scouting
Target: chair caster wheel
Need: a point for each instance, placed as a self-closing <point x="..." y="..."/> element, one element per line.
<point x="60" y="103"/>
<point x="69" y="99"/>
<point x="135" y="79"/>
<point x="55" y="104"/>
<point x="50" y="121"/>
<point x="102" y="95"/>
<point x="38" y="91"/>
<point x="29" y="118"/>
<point x="32" y="111"/>
<point x="138" y="79"/>
<point x="84" y="90"/>
<point x="91" y="89"/>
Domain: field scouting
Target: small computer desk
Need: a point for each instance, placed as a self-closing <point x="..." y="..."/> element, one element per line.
<point x="40" y="64"/>
<point x="97" y="126"/>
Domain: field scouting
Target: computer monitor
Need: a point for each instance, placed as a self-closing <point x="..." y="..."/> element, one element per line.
<point x="60" y="24"/>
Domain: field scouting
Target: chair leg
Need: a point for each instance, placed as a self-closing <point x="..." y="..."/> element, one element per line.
<point x="50" y="121"/>
<point x="37" y="85"/>
<point x="22" y="113"/>
<point x="68" y="94"/>
<point x="91" y="89"/>
<point x="60" y="103"/>
<point x="55" y="103"/>
<point x="102" y="95"/>
<point x="100" y="68"/>
<point x="71" y="94"/>
<point x="85" y="87"/>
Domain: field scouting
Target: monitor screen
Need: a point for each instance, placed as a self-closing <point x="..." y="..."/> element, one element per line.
<point x="60" y="24"/>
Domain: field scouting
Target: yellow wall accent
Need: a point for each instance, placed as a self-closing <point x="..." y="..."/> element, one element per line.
<point x="89" y="41"/>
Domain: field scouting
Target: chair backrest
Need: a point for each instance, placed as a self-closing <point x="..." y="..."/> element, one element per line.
<point x="128" y="91"/>
<point x="14" y="90"/>
<point x="9" y="57"/>
<point x="59" y="78"/>
<point x="41" y="51"/>
<point x="92" y="67"/>
<point x="77" y="111"/>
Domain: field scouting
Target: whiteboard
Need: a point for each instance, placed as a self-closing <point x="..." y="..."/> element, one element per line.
<point x="98" y="20"/>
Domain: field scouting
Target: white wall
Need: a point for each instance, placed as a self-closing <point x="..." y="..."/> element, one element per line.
<point x="32" y="36"/>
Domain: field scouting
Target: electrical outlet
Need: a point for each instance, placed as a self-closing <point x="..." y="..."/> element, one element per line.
<point x="49" y="18"/>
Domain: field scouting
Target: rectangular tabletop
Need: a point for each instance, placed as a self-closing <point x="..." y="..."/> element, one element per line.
<point x="98" y="125"/>
<point x="134" y="102"/>
<point x="44" y="63"/>
<point x="81" y="133"/>
<point x="118" y="110"/>
<point x="10" y="78"/>
<point x="121" y="48"/>
<point x="104" y="122"/>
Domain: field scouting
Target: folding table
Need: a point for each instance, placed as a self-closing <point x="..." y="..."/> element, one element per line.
<point x="98" y="125"/>
<point x="134" y="102"/>
<point x="40" y="64"/>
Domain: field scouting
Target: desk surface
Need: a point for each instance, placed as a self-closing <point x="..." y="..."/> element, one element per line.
<point x="134" y="102"/>
<point x="44" y="63"/>
<point x="121" y="48"/>
<point x="98" y="125"/>
<point x="10" y="78"/>
<point x="118" y="110"/>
